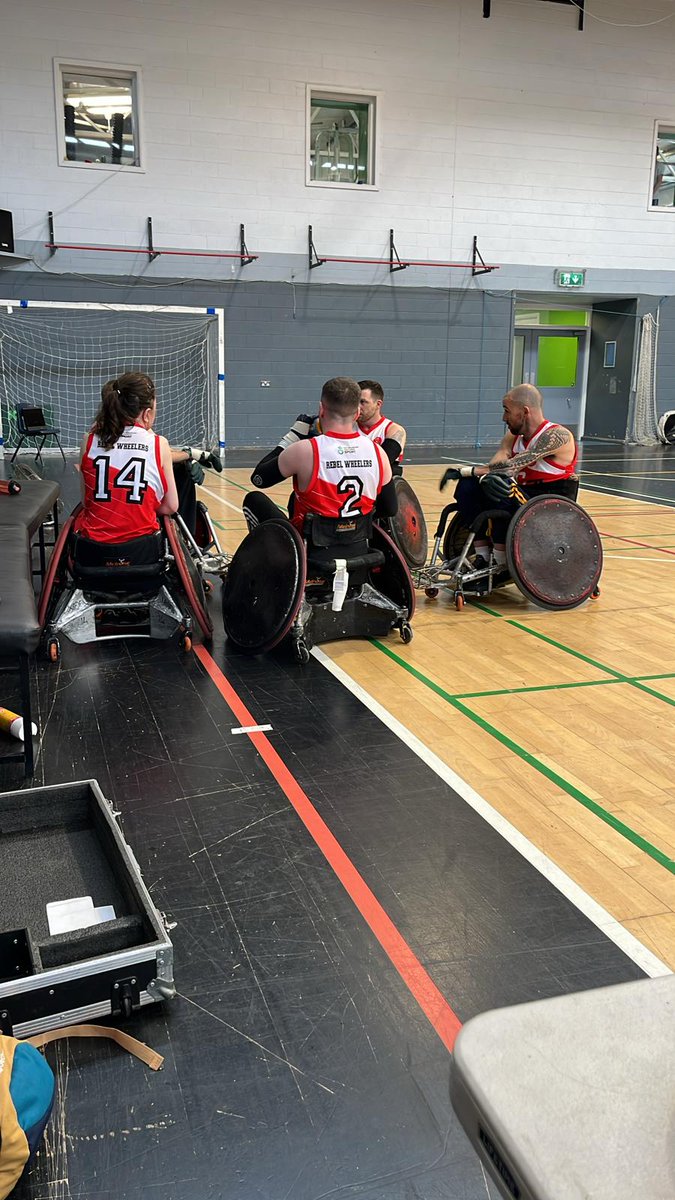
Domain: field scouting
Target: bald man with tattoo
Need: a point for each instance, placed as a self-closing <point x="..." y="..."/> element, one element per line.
<point x="538" y="454"/>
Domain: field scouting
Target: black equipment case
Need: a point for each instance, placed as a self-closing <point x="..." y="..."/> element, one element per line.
<point x="57" y="843"/>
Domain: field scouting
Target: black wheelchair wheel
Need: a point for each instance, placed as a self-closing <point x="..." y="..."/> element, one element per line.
<point x="455" y="537"/>
<point x="554" y="552"/>
<point x="264" y="587"/>
<point x="393" y="578"/>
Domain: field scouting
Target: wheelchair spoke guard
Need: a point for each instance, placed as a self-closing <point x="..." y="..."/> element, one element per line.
<point x="408" y="528"/>
<point x="264" y="587"/>
<point x="554" y="552"/>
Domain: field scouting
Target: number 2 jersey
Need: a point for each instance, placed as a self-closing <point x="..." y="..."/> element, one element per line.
<point x="346" y="477"/>
<point x="123" y="486"/>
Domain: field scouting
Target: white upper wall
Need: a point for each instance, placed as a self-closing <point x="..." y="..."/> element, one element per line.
<point x="520" y="129"/>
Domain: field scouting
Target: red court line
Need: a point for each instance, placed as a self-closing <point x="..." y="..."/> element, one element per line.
<point x="433" y="1004"/>
<point x="632" y="542"/>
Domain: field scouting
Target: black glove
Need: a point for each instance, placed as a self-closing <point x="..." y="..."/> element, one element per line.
<point x="195" y="470"/>
<point x="300" y="430"/>
<point x="450" y="474"/>
<point x="498" y="487"/>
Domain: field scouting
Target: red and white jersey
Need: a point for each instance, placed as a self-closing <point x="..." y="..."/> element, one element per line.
<point x="346" y="478"/>
<point x="544" y="470"/>
<point x="123" y="486"/>
<point x="377" y="432"/>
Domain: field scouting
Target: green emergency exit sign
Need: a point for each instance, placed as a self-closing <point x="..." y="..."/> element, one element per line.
<point x="569" y="278"/>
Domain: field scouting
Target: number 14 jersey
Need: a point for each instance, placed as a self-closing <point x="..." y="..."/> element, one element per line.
<point x="346" y="478"/>
<point x="123" y="486"/>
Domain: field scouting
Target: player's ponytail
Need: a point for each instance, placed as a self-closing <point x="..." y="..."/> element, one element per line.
<point x="122" y="401"/>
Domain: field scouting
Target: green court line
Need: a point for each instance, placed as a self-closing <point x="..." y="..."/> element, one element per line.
<point x="608" y="818"/>
<point x="237" y="485"/>
<point x="484" y="608"/>
<point x="541" y="687"/>
<point x="566" y="649"/>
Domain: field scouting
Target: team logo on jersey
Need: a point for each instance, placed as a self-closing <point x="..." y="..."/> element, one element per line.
<point x="343" y="449"/>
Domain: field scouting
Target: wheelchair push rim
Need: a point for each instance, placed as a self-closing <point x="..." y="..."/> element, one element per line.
<point x="264" y="586"/>
<point x="189" y="575"/>
<point x="554" y="552"/>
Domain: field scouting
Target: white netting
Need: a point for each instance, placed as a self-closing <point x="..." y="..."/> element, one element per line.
<point x="59" y="359"/>
<point x="643" y="429"/>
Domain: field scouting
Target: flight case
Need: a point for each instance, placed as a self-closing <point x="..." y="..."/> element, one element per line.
<point x="59" y="843"/>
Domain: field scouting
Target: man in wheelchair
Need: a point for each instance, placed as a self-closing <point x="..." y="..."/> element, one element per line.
<point x="340" y="478"/>
<point x="538" y="454"/>
<point x="113" y="556"/>
<point x="516" y="519"/>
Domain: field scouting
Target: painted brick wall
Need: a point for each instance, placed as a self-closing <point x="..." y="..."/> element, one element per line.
<point x="442" y="356"/>
<point x="519" y="129"/>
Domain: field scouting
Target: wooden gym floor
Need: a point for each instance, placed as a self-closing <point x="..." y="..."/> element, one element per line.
<point x="480" y="818"/>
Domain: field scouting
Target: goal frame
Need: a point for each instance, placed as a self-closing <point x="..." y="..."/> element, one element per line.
<point x="90" y="305"/>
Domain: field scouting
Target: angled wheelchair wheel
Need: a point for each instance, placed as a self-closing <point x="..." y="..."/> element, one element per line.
<point x="455" y="538"/>
<point x="189" y="575"/>
<point x="408" y="527"/>
<point x="393" y="577"/>
<point x="264" y="586"/>
<point x="57" y="572"/>
<point x="554" y="552"/>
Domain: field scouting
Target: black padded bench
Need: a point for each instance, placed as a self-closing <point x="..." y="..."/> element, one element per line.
<point x="19" y="627"/>
<point x="36" y="501"/>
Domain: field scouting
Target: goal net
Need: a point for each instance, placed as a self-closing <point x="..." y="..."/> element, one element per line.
<point x="643" y="429"/>
<point x="58" y="359"/>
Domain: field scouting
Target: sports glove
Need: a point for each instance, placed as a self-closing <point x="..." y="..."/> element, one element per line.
<point x="455" y="473"/>
<point x="195" y="470"/>
<point x="205" y="458"/>
<point x="300" y="430"/>
<point x="498" y="487"/>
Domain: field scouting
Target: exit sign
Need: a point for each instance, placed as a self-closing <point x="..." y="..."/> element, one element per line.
<point x="570" y="278"/>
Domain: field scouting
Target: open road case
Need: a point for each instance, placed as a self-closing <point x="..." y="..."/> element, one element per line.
<point x="61" y="846"/>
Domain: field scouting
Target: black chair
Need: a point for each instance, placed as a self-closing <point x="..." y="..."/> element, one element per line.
<point x="30" y="423"/>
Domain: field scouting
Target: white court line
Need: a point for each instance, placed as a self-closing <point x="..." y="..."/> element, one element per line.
<point x="598" y="915"/>
<point x="221" y="499"/>
<point x="251" y="729"/>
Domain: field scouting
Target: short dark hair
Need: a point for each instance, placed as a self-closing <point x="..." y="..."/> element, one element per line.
<point x="341" y="396"/>
<point x="374" y="387"/>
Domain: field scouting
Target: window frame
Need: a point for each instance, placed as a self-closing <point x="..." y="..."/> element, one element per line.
<point x="651" y="207"/>
<point x="374" y="101"/>
<point x="99" y="68"/>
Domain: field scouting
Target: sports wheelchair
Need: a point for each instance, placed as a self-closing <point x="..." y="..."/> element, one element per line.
<point x="150" y="587"/>
<point x="408" y="528"/>
<point x="553" y="554"/>
<point x="343" y="578"/>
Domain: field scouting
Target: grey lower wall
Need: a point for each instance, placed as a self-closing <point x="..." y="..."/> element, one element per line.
<point x="442" y="356"/>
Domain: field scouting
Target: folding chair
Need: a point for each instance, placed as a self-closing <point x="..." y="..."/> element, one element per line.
<point x="30" y="423"/>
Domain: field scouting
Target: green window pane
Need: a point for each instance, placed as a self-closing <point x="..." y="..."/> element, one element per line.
<point x="557" y="361"/>
<point x="340" y="135"/>
<point x="560" y="316"/>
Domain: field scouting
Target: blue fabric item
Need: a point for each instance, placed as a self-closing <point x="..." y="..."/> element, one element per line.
<point x="32" y="1091"/>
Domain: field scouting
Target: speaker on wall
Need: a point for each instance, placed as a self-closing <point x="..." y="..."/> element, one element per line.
<point x="6" y="231"/>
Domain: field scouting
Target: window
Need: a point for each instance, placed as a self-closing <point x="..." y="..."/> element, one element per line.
<point x="97" y="115"/>
<point x="663" y="184"/>
<point x="340" y="139"/>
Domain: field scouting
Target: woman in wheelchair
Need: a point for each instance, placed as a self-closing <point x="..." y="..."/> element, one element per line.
<point x="126" y="469"/>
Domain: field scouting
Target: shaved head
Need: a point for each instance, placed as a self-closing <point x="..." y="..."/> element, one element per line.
<point x="526" y="394"/>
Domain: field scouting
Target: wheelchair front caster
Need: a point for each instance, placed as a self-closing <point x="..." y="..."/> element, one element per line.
<point x="207" y="585"/>
<point x="54" y="649"/>
<point x="459" y="602"/>
<point x="595" y="593"/>
<point x="405" y="630"/>
<point x="186" y="643"/>
<point x="302" y="651"/>
<point x="431" y="592"/>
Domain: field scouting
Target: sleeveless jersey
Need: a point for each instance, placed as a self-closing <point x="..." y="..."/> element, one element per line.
<point x="346" y="478"/>
<point x="123" y="486"/>
<point x="544" y="470"/>
<point x="378" y="432"/>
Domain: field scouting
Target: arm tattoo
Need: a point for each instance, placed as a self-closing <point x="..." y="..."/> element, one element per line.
<point x="547" y="445"/>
